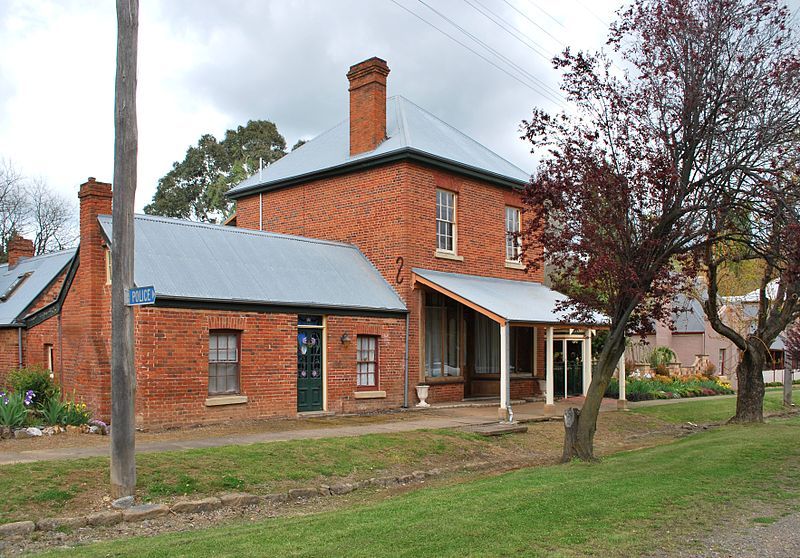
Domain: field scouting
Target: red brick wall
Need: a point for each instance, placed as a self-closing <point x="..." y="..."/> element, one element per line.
<point x="9" y="355"/>
<point x="389" y="212"/>
<point x="341" y="367"/>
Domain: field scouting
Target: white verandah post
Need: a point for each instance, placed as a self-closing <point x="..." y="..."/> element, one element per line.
<point x="621" y="403"/>
<point x="587" y="361"/>
<point x="549" y="383"/>
<point x="505" y="371"/>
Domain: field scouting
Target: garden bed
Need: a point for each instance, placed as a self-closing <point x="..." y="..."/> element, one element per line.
<point x="669" y="387"/>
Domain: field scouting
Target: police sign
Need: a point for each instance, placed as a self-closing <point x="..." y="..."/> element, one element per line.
<point x="141" y="295"/>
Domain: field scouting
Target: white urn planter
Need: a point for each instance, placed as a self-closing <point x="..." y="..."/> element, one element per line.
<point x="422" y="394"/>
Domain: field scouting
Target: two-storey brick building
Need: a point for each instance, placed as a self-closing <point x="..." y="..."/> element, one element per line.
<point x="378" y="256"/>
<point x="437" y="213"/>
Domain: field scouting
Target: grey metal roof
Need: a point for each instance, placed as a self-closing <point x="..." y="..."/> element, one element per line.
<point x="515" y="301"/>
<point x="214" y="263"/>
<point x="688" y="315"/>
<point x="43" y="270"/>
<point x="409" y="129"/>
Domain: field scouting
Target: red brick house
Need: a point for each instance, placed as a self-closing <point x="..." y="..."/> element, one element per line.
<point x="378" y="256"/>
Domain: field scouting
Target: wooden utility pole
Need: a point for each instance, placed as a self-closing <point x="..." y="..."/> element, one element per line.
<point x="788" y="365"/>
<point x="123" y="374"/>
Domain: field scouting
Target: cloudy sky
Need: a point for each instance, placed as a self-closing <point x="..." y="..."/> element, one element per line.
<point x="209" y="65"/>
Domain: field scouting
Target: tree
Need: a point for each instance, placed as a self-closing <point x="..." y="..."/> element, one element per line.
<point x="627" y="189"/>
<point x="28" y="207"/>
<point x="52" y="219"/>
<point x="195" y="188"/>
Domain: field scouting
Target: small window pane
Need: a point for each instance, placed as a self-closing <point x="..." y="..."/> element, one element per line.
<point x="223" y="367"/>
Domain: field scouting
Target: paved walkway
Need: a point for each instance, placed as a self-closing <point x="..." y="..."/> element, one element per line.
<point x="433" y="418"/>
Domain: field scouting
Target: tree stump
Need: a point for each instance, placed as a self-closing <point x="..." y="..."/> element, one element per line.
<point x="571" y="417"/>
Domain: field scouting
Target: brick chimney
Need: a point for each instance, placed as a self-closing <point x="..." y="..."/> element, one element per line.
<point x="19" y="247"/>
<point x="95" y="199"/>
<point x="367" y="104"/>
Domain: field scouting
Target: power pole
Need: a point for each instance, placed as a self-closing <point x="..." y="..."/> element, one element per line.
<point x="788" y="365"/>
<point x="123" y="373"/>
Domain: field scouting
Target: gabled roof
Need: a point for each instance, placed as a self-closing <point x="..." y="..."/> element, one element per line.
<point x="505" y="299"/>
<point x="194" y="262"/>
<point x="411" y="131"/>
<point x="31" y="276"/>
<point x="688" y="315"/>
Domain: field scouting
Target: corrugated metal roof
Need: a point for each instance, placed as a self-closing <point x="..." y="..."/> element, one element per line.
<point x="43" y="269"/>
<point x="189" y="260"/>
<point x="408" y="127"/>
<point x="515" y="301"/>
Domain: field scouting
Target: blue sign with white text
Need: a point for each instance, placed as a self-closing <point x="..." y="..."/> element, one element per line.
<point x="141" y="295"/>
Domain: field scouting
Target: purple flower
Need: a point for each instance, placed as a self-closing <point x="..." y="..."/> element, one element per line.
<point x="29" y="395"/>
<point x="4" y="397"/>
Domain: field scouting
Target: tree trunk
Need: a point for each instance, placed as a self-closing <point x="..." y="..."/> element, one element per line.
<point x="571" y="418"/>
<point x="123" y="373"/>
<point x="579" y="437"/>
<point x="750" y="391"/>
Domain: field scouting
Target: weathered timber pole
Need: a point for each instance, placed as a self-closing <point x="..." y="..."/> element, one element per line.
<point x="123" y="374"/>
<point x="788" y="376"/>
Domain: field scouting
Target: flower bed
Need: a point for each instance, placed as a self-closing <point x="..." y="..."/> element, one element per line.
<point x="668" y="387"/>
<point x="32" y="406"/>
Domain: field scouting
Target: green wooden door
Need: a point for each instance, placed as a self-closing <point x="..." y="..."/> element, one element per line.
<point x="309" y="369"/>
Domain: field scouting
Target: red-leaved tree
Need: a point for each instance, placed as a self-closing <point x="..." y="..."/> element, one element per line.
<point x="630" y="182"/>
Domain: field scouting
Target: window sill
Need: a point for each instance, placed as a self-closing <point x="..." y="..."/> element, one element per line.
<point x="448" y="256"/>
<point x="369" y="394"/>
<point x="431" y="380"/>
<point x="514" y="265"/>
<point x="216" y="400"/>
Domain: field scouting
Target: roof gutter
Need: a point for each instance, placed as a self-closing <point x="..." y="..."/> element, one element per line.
<point x="167" y="301"/>
<point x="404" y="154"/>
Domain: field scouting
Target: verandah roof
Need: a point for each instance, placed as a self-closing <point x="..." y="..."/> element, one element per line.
<point x="503" y="300"/>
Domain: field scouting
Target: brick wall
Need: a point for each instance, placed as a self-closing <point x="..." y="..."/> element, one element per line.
<point x="9" y="355"/>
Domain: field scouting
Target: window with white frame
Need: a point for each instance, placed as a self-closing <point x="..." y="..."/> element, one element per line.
<point x="513" y="242"/>
<point x="445" y="221"/>
<point x="367" y="361"/>
<point x="223" y="362"/>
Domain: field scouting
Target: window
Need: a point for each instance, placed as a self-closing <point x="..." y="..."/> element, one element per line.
<point x="442" y="335"/>
<point x="513" y="243"/>
<point x="49" y="356"/>
<point x="14" y="286"/>
<point x="223" y="362"/>
<point x="722" y="362"/>
<point x="367" y="361"/>
<point x="522" y="343"/>
<point x="445" y="221"/>
<point x="108" y="266"/>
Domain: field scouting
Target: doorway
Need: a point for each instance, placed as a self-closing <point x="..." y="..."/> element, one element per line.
<point x="309" y="363"/>
<point x="567" y="367"/>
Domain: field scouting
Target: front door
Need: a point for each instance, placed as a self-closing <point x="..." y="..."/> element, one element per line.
<point x="309" y="364"/>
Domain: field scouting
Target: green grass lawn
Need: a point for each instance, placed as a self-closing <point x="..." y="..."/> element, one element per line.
<point x="626" y="505"/>
<point x="700" y="410"/>
<point x="47" y="488"/>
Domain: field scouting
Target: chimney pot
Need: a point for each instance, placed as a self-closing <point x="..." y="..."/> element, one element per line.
<point x="367" y="104"/>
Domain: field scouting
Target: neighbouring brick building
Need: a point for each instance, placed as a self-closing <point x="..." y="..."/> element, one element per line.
<point x="379" y="256"/>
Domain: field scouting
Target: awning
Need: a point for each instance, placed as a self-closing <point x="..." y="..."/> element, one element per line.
<point x="502" y="300"/>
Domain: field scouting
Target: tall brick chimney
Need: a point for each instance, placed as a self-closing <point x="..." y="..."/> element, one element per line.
<point x="19" y="247"/>
<point x="95" y="199"/>
<point x="367" y="104"/>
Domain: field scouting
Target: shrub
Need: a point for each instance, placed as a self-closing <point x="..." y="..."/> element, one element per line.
<point x="33" y="379"/>
<point x="661" y="357"/>
<point x="613" y="389"/>
<point x="14" y="408"/>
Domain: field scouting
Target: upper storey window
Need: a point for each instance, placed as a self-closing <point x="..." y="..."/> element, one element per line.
<point x="446" y="221"/>
<point x="513" y="243"/>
